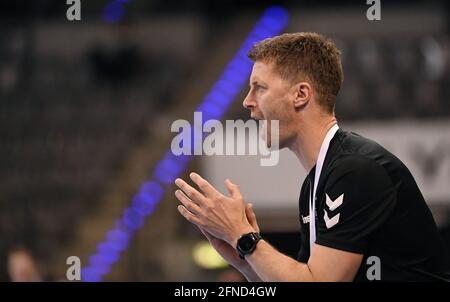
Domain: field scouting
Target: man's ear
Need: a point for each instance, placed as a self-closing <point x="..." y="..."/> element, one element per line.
<point x="303" y="93"/>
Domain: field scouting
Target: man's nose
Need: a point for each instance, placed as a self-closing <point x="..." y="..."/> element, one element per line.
<point x="249" y="102"/>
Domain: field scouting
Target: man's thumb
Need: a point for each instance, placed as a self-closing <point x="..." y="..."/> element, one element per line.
<point x="251" y="216"/>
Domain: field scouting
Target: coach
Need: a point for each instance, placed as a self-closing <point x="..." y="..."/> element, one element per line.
<point x="359" y="202"/>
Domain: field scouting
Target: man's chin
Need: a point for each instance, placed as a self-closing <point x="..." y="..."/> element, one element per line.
<point x="266" y="137"/>
<point x="272" y="147"/>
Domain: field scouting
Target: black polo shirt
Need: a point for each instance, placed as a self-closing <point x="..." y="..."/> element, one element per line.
<point x="369" y="203"/>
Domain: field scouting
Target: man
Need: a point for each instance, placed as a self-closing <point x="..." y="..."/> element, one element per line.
<point x="22" y="267"/>
<point x="368" y="210"/>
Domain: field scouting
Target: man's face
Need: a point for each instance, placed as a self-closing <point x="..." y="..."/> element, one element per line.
<point x="270" y="98"/>
<point x="22" y="268"/>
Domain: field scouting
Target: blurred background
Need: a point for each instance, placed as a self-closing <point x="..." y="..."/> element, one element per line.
<point x="86" y="109"/>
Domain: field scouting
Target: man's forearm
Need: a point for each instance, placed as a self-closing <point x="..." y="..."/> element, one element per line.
<point x="250" y="274"/>
<point x="271" y="265"/>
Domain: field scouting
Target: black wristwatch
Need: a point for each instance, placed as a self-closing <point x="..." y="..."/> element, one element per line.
<point x="247" y="244"/>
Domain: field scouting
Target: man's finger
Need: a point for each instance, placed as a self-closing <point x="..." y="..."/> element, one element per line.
<point x="188" y="215"/>
<point x="251" y="216"/>
<point x="190" y="192"/>
<point x="204" y="185"/>
<point x="233" y="189"/>
<point x="187" y="203"/>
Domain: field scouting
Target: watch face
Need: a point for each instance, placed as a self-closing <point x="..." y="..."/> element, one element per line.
<point x="246" y="243"/>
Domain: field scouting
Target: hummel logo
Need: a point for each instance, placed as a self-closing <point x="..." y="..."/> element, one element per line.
<point x="305" y="219"/>
<point x="330" y="222"/>
<point x="332" y="205"/>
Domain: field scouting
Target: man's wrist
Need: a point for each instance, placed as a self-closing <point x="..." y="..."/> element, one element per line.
<point x="239" y="234"/>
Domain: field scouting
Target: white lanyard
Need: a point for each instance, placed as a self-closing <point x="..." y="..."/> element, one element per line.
<point x="312" y="203"/>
